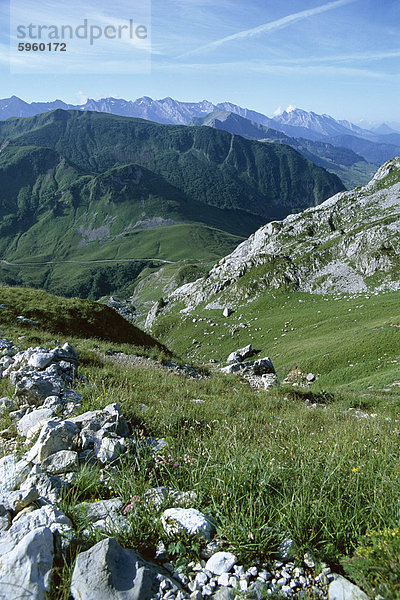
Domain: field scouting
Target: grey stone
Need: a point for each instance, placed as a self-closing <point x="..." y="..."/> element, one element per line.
<point x="40" y="359"/>
<point x="98" y="419"/>
<point x="269" y="381"/>
<point x="263" y="366"/>
<point x="190" y="520"/>
<point x="25" y="321"/>
<point x="7" y="405"/>
<point x="48" y="486"/>
<point x="64" y="461"/>
<point x="342" y="589"/>
<point x="311" y="377"/>
<point x="224" y="593"/>
<point x="31" y="422"/>
<point x="13" y="471"/>
<point x="286" y="550"/>
<point x="109" y="450"/>
<point x="36" y="387"/>
<point x="108" y="572"/>
<point x="227" y="312"/>
<point x="19" y="499"/>
<point x="221" y="562"/>
<point x="71" y="396"/>
<point x="241" y="354"/>
<point x="96" y="511"/>
<point x="309" y="561"/>
<point x="53" y="402"/>
<point x="233" y="368"/>
<point x="5" y="519"/>
<point x="25" y="571"/>
<point x="55" y="436"/>
<point x="233" y="358"/>
<point x="47" y="516"/>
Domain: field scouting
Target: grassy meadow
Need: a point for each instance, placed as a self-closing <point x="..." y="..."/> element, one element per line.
<point x="264" y="465"/>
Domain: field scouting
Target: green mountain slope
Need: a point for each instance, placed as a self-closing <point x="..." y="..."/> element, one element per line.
<point x="73" y="317"/>
<point x="352" y="168"/>
<point x="209" y="166"/>
<point x="52" y="212"/>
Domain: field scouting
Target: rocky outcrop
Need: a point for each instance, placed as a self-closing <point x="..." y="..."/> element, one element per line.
<point x="260" y="373"/>
<point x="349" y="243"/>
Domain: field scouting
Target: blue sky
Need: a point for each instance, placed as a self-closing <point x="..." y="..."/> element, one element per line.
<point x="340" y="57"/>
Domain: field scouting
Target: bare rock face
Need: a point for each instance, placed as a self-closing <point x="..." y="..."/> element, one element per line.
<point x="349" y="243"/>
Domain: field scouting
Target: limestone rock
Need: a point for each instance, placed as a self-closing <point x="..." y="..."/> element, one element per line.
<point x="25" y="571"/>
<point x="13" y="471"/>
<point x="158" y="496"/>
<point x="187" y="519"/>
<point x="108" y="572"/>
<point x="48" y="516"/>
<point x="110" y="449"/>
<point x="31" y="422"/>
<point x="55" y="436"/>
<point x="37" y="387"/>
<point x="221" y="562"/>
<point x="50" y="487"/>
<point x="63" y="461"/>
<point x="96" y="511"/>
<point x="342" y="589"/>
<point x="5" y="519"/>
<point x="19" y="499"/>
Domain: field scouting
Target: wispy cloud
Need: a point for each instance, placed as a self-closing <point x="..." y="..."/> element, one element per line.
<point x="356" y="57"/>
<point x="272" y="25"/>
<point x="253" y="66"/>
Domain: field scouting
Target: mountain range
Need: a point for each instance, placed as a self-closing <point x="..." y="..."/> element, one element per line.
<point x="375" y="146"/>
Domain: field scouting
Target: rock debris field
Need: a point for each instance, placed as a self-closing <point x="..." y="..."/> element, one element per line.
<point x="35" y="533"/>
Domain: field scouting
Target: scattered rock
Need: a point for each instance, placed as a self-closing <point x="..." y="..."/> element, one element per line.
<point x="25" y="321"/>
<point x="96" y="511"/>
<point x="241" y="354"/>
<point x="160" y="495"/>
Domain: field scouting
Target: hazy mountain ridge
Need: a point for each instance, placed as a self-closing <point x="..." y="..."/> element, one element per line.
<point x="352" y="168"/>
<point x="293" y="121"/>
